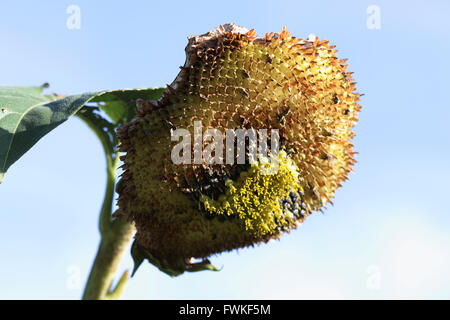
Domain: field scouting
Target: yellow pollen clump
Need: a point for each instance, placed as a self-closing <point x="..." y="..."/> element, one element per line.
<point x="255" y="197"/>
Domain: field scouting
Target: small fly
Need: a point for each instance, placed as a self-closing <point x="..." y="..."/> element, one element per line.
<point x="282" y="115"/>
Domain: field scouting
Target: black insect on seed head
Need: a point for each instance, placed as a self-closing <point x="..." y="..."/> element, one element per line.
<point x="245" y="73"/>
<point x="335" y="99"/>
<point x="244" y="92"/>
<point x="269" y="59"/>
<point x="328" y="134"/>
<point x="346" y="112"/>
<point x="243" y="121"/>
<point x="171" y="125"/>
<point x="291" y="151"/>
<point x="282" y="115"/>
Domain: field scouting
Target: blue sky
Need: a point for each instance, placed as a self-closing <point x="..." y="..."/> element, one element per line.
<point x="387" y="236"/>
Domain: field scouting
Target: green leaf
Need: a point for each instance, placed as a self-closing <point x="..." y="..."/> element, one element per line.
<point x="201" y="266"/>
<point x="138" y="255"/>
<point x="172" y="268"/>
<point x="120" y="105"/>
<point x="26" y="115"/>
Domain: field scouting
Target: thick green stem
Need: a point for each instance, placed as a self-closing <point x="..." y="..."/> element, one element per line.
<point x="108" y="257"/>
<point x="115" y="233"/>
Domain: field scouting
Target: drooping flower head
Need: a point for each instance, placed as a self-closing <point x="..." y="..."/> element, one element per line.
<point x="233" y="80"/>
